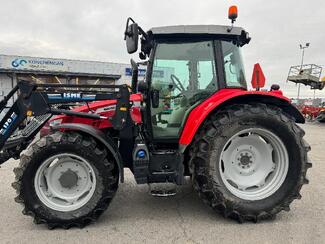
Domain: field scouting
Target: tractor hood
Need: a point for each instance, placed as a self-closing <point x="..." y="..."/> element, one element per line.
<point x="106" y="108"/>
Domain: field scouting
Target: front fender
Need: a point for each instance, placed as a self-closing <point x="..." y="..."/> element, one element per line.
<point x="99" y="136"/>
<point x="227" y="97"/>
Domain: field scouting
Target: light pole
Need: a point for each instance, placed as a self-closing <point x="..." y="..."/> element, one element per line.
<point x="302" y="62"/>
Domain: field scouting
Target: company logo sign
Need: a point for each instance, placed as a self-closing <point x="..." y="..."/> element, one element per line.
<point x="71" y="96"/>
<point x="35" y="63"/>
<point x="18" y="62"/>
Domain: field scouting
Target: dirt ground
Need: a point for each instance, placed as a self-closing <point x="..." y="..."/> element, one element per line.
<point x="136" y="217"/>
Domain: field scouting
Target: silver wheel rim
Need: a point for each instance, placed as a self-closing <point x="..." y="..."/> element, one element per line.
<point x="253" y="164"/>
<point x="65" y="182"/>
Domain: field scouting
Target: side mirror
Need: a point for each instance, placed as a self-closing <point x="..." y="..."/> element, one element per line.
<point x="134" y="76"/>
<point x="131" y="36"/>
<point x="155" y="98"/>
<point x="258" y="78"/>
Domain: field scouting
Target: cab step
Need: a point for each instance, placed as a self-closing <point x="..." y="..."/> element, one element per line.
<point x="162" y="189"/>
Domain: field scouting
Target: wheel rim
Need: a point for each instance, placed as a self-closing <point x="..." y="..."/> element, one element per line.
<point x="65" y="182"/>
<point x="253" y="164"/>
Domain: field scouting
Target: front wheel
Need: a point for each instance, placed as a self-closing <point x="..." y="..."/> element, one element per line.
<point x="65" y="180"/>
<point x="249" y="162"/>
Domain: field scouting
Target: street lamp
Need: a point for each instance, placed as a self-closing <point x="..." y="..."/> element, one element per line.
<point x="302" y="62"/>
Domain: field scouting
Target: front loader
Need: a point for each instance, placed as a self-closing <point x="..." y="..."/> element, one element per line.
<point x="193" y="116"/>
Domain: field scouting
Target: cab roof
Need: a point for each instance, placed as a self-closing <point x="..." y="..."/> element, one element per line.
<point x="222" y="31"/>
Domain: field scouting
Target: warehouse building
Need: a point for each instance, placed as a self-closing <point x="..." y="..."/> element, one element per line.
<point x="65" y="71"/>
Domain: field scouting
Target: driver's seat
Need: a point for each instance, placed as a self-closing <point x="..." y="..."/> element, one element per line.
<point x="176" y="117"/>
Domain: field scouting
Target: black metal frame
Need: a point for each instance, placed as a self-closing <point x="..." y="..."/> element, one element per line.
<point x="40" y="99"/>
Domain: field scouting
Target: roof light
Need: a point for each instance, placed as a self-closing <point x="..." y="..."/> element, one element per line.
<point x="233" y="13"/>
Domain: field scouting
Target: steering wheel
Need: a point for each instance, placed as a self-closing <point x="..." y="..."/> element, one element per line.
<point x="188" y="96"/>
<point x="177" y="83"/>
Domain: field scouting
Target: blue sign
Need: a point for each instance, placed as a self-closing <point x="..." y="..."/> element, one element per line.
<point x="158" y="74"/>
<point x="141" y="72"/>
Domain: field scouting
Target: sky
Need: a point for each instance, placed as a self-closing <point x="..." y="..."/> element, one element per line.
<point x="93" y="30"/>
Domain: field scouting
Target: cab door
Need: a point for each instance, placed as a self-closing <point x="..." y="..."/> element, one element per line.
<point x="183" y="74"/>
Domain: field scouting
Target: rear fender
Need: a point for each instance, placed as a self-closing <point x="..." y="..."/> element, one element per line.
<point x="99" y="136"/>
<point x="227" y="97"/>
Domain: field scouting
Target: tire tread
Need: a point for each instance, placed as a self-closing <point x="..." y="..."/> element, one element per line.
<point x="201" y="170"/>
<point x="62" y="137"/>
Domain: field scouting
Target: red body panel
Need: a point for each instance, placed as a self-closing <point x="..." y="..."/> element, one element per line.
<point x="199" y="113"/>
<point x="105" y="108"/>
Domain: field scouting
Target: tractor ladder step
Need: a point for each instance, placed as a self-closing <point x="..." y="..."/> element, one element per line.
<point x="162" y="189"/>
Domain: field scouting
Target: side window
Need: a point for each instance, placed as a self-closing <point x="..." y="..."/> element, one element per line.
<point x="233" y="65"/>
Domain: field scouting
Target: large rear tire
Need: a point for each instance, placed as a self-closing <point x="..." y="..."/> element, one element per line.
<point x="249" y="162"/>
<point x="65" y="180"/>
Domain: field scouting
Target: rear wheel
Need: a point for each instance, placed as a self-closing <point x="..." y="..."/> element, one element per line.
<point x="249" y="162"/>
<point x="253" y="164"/>
<point x="65" y="180"/>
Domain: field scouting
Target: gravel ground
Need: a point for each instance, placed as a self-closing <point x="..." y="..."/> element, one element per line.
<point x="136" y="217"/>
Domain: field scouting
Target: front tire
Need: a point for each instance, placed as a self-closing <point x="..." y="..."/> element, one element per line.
<point x="65" y="180"/>
<point x="249" y="162"/>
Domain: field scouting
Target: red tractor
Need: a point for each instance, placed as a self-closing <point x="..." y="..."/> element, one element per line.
<point x="192" y="116"/>
<point x="310" y="112"/>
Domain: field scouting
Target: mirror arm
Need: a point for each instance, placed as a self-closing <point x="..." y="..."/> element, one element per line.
<point x="143" y="33"/>
<point x="126" y="33"/>
<point x="135" y="71"/>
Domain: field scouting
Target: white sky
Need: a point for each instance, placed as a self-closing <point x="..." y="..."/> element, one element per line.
<point x="93" y="30"/>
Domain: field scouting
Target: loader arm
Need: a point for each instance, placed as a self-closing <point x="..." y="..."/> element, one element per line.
<point x="38" y="102"/>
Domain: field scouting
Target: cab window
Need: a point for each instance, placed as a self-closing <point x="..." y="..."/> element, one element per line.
<point x="233" y="65"/>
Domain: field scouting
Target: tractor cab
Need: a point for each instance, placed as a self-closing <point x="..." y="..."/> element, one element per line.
<point x="186" y="65"/>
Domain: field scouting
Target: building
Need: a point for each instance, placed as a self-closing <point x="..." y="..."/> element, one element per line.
<point x="65" y="71"/>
